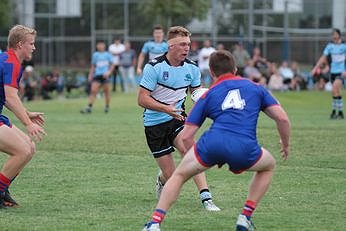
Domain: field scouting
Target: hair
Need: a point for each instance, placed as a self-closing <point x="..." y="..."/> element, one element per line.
<point x="18" y="34"/>
<point x="158" y="27"/>
<point x="222" y="62"/>
<point x="336" y="30"/>
<point x="176" y="31"/>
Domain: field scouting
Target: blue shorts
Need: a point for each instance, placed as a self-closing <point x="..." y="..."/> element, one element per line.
<point x="219" y="148"/>
<point x="5" y="120"/>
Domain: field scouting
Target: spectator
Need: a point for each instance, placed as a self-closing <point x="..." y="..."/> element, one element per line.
<point x="253" y="73"/>
<point x="193" y="53"/>
<point x="48" y="85"/>
<point x="287" y="74"/>
<point x="29" y="84"/>
<point x="241" y="57"/>
<point x="116" y="48"/>
<point x="128" y="61"/>
<point x="298" y="81"/>
<point x="275" y="81"/>
<point x="203" y="62"/>
<point x="321" y="76"/>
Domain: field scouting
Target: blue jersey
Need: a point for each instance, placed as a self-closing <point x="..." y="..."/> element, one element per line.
<point x="102" y="62"/>
<point x="168" y="85"/>
<point x="10" y="73"/>
<point x="234" y="104"/>
<point x="337" y="53"/>
<point x="154" y="49"/>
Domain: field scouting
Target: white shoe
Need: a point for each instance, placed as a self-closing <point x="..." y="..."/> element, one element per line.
<point x="210" y="206"/>
<point x="151" y="227"/>
<point x="159" y="186"/>
<point x="243" y="224"/>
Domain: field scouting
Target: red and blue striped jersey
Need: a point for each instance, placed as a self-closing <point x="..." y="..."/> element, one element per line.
<point x="10" y="73"/>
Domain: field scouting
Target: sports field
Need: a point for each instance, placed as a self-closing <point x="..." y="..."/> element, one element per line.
<point x="94" y="172"/>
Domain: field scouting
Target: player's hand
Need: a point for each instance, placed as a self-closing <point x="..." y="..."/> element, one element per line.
<point x="139" y="71"/>
<point x="284" y="151"/>
<point x="37" y="118"/>
<point x="36" y="132"/>
<point x="175" y="112"/>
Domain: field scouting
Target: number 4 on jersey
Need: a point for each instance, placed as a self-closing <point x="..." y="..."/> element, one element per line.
<point x="233" y="100"/>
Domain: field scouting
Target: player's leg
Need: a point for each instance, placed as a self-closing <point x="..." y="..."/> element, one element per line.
<point x="199" y="179"/>
<point x="337" y="98"/>
<point x="107" y="92"/>
<point x="95" y="86"/>
<point x="259" y="185"/>
<point x="20" y="149"/>
<point x="188" y="167"/>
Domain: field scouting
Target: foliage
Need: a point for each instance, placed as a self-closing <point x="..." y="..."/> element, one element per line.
<point x="5" y="16"/>
<point x="169" y="13"/>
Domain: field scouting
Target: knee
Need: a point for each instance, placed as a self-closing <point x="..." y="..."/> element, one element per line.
<point x="28" y="151"/>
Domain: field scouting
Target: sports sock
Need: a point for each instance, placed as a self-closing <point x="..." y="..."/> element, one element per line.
<point x="339" y="103"/>
<point x="205" y="195"/>
<point x="4" y="183"/>
<point x="158" y="216"/>
<point x="335" y="103"/>
<point x="249" y="208"/>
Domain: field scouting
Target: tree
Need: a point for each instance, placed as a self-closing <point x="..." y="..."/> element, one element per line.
<point x="178" y="12"/>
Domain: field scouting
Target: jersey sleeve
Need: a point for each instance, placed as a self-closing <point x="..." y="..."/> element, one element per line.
<point x="268" y="99"/>
<point x="326" y="50"/>
<point x="145" y="48"/>
<point x="196" y="81"/>
<point x="94" y="59"/>
<point x="12" y="73"/>
<point x="149" y="78"/>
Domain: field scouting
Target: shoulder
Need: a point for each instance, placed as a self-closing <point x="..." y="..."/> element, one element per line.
<point x="157" y="60"/>
<point x="189" y="61"/>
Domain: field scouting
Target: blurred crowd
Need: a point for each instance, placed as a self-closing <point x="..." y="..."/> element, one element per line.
<point x="275" y="76"/>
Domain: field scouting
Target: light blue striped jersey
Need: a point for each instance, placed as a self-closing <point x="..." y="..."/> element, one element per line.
<point x="337" y="53"/>
<point x="102" y="62"/>
<point x="168" y="84"/>
<point x="154" y="49"/>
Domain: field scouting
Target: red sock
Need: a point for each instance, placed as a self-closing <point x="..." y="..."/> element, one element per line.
<point x="158" y="216"/>
<point x="249" y="208"/>
<point x="4" y="183"/>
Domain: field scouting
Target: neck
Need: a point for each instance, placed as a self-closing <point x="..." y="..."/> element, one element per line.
<point x="172" y="61"/>
<point x="16" y="52"/>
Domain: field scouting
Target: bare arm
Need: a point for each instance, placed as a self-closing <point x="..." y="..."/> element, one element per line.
<point x="146" y="101"/>
<point x="283" y="125"/>
<point x="321" y="60"/>
<point x="14" y="104"/>
<point x="140" y="62"/>
<point x="91" y="72"/>
<point x="188" y="134"/>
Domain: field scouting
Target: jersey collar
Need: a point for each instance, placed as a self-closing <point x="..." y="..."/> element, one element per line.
<point x="227" y="76"/>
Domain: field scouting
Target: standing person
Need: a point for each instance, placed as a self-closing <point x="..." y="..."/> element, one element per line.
<point x="14" y="142"/>
<point x="234" y="104"/>
<point x="127" y="67"/>
<point x="241" y="57"/>
<point x="153" y="48"/>
<point x="162" y="93"/>
<point x="203" y="61"/>
<point x="336" y="50"/>
<point x="101" y="68"/>
<point x="116" y="48"/>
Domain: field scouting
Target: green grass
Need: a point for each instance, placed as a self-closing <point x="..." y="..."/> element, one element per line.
<point x="94" y="172"/>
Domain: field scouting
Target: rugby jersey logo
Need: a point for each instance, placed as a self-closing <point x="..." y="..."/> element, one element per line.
<point x="165" y="75"/>
<point x="188" y="77"/>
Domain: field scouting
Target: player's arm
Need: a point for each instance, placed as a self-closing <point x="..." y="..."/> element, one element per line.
<point x="188" y="134"/>
<point x="91" y="72"/>
<point x="321" y="60"/>
<point x="146" y="101"/>
<point x="283" y="126"/>
<point x="140" y="62"/>
<point x="14" y="104"/>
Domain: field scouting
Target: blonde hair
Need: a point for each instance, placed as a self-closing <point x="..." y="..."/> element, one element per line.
<point x="176" y="31"/>
<point x="18" y="34"/>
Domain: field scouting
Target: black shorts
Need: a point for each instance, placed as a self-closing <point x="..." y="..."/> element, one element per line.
<point x="160" y="137"/>
<point x="333" y="77"/>
<point x="100" y="79"/>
